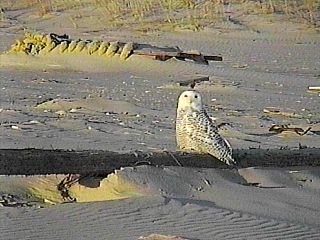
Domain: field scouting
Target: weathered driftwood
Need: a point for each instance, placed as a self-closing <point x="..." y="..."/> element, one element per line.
<point x="36" y="161"/>
<point x="165" y="55"/>
<point x="192" y="81"/>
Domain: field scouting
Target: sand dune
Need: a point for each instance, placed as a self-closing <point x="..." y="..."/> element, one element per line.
<point x="130" y="219"/>
<point x="252" y="203"/>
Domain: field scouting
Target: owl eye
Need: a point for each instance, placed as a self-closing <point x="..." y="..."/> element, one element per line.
<point x="196" y="96"/>
<point x="186" y="95"/>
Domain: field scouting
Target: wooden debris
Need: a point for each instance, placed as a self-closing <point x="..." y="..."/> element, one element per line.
<point x="65" y="184"/>
<point x="38" y="161"/>
<point x="166" y="54"/>
<point x="281" y="128"/>
<point x="213" y="58"/>
<point x="192" y="81"/>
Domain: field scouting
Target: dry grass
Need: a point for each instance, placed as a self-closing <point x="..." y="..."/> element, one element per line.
<point x="190" y="14"/>
<point x="306" y="11"/>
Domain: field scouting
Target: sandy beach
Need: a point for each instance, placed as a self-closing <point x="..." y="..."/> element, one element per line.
<point x="80" y="102"/>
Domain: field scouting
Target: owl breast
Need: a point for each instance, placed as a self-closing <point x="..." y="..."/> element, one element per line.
<point x="196" y="132"/>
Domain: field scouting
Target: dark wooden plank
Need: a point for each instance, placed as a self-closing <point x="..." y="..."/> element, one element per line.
<point x="192" y="81"/>
<point x="164" y="55"/>
<point x="213" y="58"/>
<point x="37" y="161"/>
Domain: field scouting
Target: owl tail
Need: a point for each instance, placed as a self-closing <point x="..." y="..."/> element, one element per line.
<point x="230" y="161"/>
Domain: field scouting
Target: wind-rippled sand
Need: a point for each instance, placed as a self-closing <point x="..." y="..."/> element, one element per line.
<point x="208" y="204"/>
<point x="128" y="219"/>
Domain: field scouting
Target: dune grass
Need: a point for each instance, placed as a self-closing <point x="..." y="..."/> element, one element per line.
<point x="190" y="14"/>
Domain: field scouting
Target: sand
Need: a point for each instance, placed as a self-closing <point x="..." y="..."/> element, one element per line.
<point x="192" y="203"/>
<point x="85" y="104"/>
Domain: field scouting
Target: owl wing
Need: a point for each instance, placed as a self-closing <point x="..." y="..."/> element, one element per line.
<point x="205" y="137"/>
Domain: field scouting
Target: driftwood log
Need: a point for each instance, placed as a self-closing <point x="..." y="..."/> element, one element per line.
<point x="193" y="81"/>
<point x="37" y="161"/>
<point x="165" y="55"/>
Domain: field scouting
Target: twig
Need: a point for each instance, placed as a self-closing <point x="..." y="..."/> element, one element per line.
<point x="174" y="158"/>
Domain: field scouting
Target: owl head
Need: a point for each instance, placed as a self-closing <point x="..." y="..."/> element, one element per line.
<point x="190" y="100"/>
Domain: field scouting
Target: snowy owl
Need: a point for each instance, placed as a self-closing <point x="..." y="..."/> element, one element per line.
<point x="196" y="132"/>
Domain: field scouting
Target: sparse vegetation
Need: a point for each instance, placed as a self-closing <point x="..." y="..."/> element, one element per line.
<point x="190" y="14"/>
